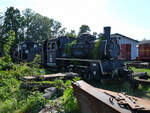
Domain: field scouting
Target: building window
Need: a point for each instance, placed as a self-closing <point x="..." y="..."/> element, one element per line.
<point x="48" y="46"/>
<point x="24" y="45"/>
<point x="35" y="45"/>
<point x="53" y="46"/>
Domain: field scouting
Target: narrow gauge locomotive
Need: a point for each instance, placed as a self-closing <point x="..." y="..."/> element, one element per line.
<point x="26" y="51"/>
<point x="95" y="58"/>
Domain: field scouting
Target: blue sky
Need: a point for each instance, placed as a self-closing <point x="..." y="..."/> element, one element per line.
<point x="128" y="17"/>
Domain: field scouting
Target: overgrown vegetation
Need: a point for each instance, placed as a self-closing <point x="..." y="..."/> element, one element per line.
<point x="66" y="100"/>
<point x="96" y="48"/>
<point x="12" y="98"/>
<point x="16" y="100"/>
<point x="136" y="70"/>
<point x="68" y="48"/>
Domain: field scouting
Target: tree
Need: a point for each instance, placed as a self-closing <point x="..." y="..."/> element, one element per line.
<point x="28" y="15"/>
<point x="7" y="46"/>
<point x="84" y="29"/>
<point x="72" y="34"/>
<point x="39" y="27"/>
<point x="57" y="29"/>
<point x="1" y="30"/>
<point x="28" y="26"/>
<point x="13" y="21"/>
<point x="95" y="34"/>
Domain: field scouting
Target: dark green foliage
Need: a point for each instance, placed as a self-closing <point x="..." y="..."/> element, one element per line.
<point x="96" y="48"/>
<point x="39" y="27"/>
<point x="13" y="21"/>
<point x="84" y="29"/>
<point x="28" y="26"/>
<point x="71" y="34"/>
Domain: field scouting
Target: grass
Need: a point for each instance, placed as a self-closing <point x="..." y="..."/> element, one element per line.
<point x="136" y="70"/>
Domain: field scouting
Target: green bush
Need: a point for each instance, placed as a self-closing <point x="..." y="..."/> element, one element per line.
<point x="68" y="47"/>
<point x="96" y="47"/>
<point x="68" y="99"/>
<point x="12" y="98"/>
<point x="36" y="62"/>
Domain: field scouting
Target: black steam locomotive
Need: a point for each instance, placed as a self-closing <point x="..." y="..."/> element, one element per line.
<point x="95" y="58"/>
<point x="26" y="51"/>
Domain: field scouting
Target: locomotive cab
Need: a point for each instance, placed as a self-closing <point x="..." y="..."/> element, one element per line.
<point x="54" y="48"/>
<point x="49" y="51"/>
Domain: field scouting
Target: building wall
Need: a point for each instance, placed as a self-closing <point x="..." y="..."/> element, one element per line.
<point x="144" y="52"/>
<point x="134" y="49"/>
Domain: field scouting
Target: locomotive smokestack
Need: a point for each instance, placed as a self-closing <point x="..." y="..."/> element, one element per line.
<point x="107" y="32"/>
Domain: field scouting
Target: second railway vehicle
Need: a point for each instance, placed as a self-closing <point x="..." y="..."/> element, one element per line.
<point x="95" y="58"/>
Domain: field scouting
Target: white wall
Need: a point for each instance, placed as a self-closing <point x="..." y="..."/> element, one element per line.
<point x="124" y="40"/>
<point x="134" y="49"/>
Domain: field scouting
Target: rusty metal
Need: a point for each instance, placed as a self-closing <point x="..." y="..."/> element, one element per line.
<point x="93" y="100"/>
<point x="129" y="102"/>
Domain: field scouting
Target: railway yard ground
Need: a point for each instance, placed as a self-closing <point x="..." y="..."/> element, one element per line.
<point x="49" y="96"/>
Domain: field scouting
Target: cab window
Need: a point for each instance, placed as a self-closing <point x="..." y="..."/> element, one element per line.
<point x="53" y="46"/>
<point x="48" y="46"/>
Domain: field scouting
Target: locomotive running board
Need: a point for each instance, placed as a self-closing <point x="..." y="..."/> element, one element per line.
<point x="85" y="60"/>
<point x="76" y="59"/>
<point x="94" y="100"/>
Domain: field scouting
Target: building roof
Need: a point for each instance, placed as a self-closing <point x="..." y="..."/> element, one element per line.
<point x="144" y="42"/>
<point x="117" y="34"/>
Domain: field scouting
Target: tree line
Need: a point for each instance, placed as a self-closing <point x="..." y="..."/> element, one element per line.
<point x="29" y="25"/>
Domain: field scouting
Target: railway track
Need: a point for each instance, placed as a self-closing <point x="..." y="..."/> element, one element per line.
<point x="139" y="64"/>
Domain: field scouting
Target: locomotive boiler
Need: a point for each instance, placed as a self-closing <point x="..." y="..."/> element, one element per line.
<point x="95" y="58"/>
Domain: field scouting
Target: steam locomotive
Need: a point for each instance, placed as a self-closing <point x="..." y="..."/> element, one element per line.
<point x="26" y="51"/>
<point x="95" y="58"/>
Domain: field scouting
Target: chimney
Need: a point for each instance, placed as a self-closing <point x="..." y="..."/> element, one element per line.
<point x="107" y="32"/>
